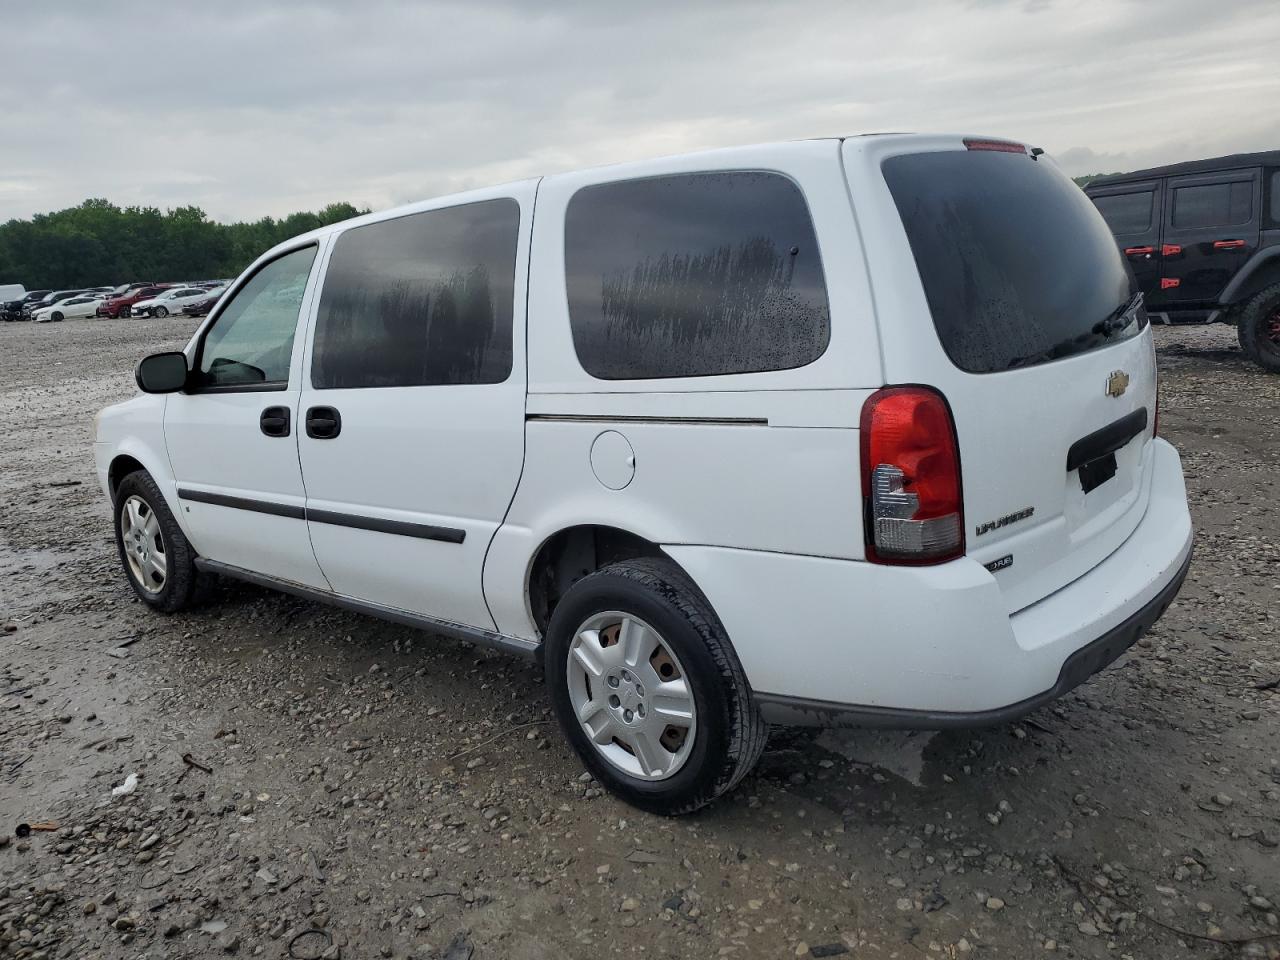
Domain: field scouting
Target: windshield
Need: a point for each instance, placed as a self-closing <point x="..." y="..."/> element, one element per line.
<point x="1017" y="264"/>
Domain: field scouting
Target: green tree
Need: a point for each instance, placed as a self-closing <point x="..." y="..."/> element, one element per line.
<point x="97" y="243"/>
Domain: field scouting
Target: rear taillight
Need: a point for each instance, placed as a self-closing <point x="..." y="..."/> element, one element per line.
<point x="911" y="477"/>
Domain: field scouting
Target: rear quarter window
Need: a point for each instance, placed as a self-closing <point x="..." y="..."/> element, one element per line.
<point x="694" y="275"/>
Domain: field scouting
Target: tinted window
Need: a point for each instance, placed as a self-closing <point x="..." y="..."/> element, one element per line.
<point x="694" y="275"/>
<point x="1017" y="265"/>
<point x="251" y="342"/>
<point x="1275" y="199"/>
<point x="422" y="300"/>
<point x="1213" y="204"/>
<point x="1126" y="212"/>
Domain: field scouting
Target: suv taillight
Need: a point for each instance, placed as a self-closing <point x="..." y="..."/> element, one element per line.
<point x="911" y="477"/>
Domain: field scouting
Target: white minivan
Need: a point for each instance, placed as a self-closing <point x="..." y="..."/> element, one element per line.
<point x="846" y="431"/>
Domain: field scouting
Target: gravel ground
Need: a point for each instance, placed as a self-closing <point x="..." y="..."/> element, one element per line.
<point x="376" y="792"/>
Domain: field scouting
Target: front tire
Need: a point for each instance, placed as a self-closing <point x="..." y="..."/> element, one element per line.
<point x="1259" y="328"/>
<point x="158" y="561"/>
<point x="55" y="316"/>
<point x="160" y="312"/>
<point x="648" y="688"/>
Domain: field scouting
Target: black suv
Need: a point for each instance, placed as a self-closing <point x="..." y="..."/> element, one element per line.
<point x="1203" y="239"/>
<point x="12" y="309"/>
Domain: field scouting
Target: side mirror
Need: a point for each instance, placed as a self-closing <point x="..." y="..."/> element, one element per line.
<point x="162" y="373"/>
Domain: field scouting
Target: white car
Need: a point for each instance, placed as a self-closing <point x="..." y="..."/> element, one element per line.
<point x="72" y="308"/>
<point x="802" y="433"/>
<point x="171" y="301"/>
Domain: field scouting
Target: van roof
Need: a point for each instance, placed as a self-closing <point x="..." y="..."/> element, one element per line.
<point x="1268" y="158"/>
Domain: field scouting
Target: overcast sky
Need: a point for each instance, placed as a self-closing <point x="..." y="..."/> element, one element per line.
<point x="269" y="107"/>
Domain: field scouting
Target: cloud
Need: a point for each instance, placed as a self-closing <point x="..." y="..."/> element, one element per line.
<point x="269" y="107"/>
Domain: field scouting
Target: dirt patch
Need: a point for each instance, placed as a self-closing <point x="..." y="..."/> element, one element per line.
<point x="380" y="792"/>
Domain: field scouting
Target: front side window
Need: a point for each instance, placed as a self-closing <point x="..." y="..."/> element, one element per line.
<point x="694" y="275"/>
<point x="251" y="342"/>
<point x="1126" y="213"/>
<point x="422" y="300"/>
<point x="1213" y="204"/>
<point x="1275" y="199"/>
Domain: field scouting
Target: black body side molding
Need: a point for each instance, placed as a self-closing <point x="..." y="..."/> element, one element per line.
<point x="424" y="531"/>
<point x="243" y="503"/>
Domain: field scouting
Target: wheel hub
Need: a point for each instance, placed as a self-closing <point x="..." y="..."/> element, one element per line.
<point x="631" y="696"/>
<point x="143" y="544"/>
<point x="627" y="701"/>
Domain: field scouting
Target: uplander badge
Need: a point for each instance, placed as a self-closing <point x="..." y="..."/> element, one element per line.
<point x="1003" y="521"/>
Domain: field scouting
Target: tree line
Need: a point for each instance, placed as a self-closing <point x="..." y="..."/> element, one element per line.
<point x="99" y="243"/>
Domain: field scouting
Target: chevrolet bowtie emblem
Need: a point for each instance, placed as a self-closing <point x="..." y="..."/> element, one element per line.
<point x="1117" y="383"/>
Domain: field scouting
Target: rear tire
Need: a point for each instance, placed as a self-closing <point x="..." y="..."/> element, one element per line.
<point x="637" y="745"/>
<point x="158" y="561"/>
<point x="1259" y="328"/>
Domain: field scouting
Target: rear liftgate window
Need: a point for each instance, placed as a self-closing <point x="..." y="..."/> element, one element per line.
<point x="694" y="275"/>
<point x="1018" y="266"/>
<point x="422" y="300"/>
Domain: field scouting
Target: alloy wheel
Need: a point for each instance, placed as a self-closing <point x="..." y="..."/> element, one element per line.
<point x="143" y="544"/>
<point x="631" y="695"/>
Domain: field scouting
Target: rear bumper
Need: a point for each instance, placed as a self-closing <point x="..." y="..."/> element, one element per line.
<point x="838" y="642"/>
<point x="1079" y="667"/>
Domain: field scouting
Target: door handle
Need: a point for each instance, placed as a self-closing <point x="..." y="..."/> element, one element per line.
<point x="323" y="423"/>
<point x="1228" y="244"/>
<point x="274" y="421"/>
<point x="1139" y="251"/>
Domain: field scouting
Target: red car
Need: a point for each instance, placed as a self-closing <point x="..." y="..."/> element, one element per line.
<point x="119" y="306"/>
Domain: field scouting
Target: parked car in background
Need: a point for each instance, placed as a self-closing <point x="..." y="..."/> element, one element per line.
<point x="48" y="300"/>
<point x="72" y="308"/>
<point x="126" y="288"/>
<point x="12" y="309"/>
<point x="574" y="418"/>
<point x="12" y="291"/>
<point x="1203" y="239"/>
<point x="201" y="307"/>
<point x="122" y="306"/>
<point x="169" y="301"/>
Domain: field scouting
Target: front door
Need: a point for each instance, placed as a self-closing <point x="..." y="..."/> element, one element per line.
<point x="412" y="412"/>
<point x="1211" y="229"/>
<point x="1132" y="211"/>
<point x="232" y="435"/>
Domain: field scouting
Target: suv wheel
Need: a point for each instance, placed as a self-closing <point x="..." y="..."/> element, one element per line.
<point x="648" y="689"/>
<point x="157" y="559"/>
<point x="1259" y="328"/>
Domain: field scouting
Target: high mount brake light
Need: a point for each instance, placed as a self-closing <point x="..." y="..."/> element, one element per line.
<point x="999" y="146"/>
<point x="911" y="477"/>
